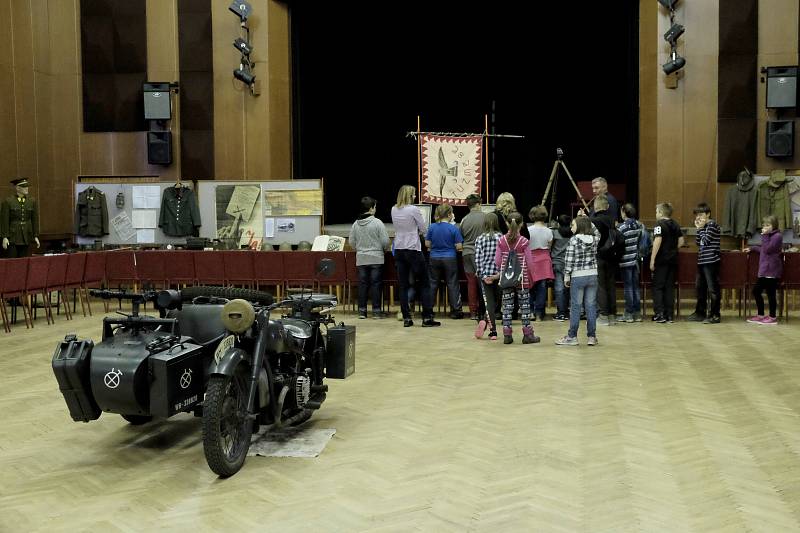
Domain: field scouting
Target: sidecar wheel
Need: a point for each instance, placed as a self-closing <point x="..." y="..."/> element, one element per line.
<point x="137" y="420"/>
<point x="226" y="429"/>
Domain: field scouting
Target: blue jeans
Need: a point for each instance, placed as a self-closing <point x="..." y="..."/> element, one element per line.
<point x="630" y="280"/>
<point x="562" y="303"/>
<point x="583" y="292"/>
<point x="369" y="287"/>
<point x="538" y="296"/>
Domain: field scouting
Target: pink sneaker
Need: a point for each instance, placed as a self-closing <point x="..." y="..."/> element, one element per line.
<point x="756" y="319"/>
<point x="768" y="320"/>
<point x="480" y="329"/>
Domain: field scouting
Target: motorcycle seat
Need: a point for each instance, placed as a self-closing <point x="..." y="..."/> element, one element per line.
<point x="203" y="323"/>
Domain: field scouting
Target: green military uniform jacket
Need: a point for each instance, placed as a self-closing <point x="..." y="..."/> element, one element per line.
<point x="91" y="213"/>
<point x="19" y="220"/>
<point x="179" y="216"/>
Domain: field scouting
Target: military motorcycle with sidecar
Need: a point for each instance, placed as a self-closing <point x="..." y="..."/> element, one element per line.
<point x="212" y="351"/>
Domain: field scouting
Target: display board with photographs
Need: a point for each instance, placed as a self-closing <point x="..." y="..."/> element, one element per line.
<point x="244" y="219"/>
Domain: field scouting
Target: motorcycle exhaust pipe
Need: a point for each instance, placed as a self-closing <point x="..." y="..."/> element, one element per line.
<point x="312" y="405"/>
<point x="319" y="388"/>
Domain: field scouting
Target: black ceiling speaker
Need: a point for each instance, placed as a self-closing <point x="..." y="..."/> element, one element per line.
<point x="780" y="138"/>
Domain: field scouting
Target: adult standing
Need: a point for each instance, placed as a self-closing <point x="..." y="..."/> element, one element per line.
<point x="504" y="206"/>
<point x="19" y="221"/>
<point x="471" y="228"/>
<point x="408" y="226"/>
<point x="606" y="263"/>
<point x="599" y="188"/>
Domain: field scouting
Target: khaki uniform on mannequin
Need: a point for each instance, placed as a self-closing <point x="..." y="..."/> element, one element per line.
<point x="19" y="221"/>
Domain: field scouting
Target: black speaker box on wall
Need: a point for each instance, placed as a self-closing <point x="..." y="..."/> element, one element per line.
<point x="781" y="87"/>
<point x="780" y="138"/>
<point x="159" y="147"/>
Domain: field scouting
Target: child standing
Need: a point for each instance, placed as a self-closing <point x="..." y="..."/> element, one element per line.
<point x="369" y="239"/>
<point x="770" y="269"/>
<point x="486" y="270"/>
<point x="541" y="239"/>
<point x="513" y="240"/>
<point x="444" y="240"/>
<point x="707" y="283"/>
<point x="667" y="238"/>
<point x="580" y="275"/>
<point x="631" y="230"/>
<point x="561" y="238"/>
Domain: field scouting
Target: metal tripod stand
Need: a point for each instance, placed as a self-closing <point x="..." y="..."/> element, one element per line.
<point x="553" y="183"/>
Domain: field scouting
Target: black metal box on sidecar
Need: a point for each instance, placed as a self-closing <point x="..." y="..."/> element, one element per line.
<point x="340" y="357"/>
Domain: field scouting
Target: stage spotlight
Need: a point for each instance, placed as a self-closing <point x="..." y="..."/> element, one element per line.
<point x="669" y="4"/>
<point x="243" y="9"/>
<point x="674" y="33"/>
<point x="675" y="63"/>
<point x="244" y="75"/>
<point x="243" y="46"/>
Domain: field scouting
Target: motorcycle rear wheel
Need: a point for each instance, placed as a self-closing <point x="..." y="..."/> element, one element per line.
<point x="226" y="428"/>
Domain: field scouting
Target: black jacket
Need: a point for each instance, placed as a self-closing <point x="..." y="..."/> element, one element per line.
<point x="91" y="213"/>
<point x="179" y="216"/>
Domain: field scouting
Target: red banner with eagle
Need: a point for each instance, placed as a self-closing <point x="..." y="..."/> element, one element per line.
<point x="451" y="168"/>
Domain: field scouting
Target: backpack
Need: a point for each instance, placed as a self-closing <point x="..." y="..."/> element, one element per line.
<point x="614" y="247"/>
<point x="645" y="243"/>
<point x="511" y="273"/>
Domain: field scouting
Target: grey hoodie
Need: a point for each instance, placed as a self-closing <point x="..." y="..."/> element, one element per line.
<point x="369" y="239"/>
<point x="740" y="209"/>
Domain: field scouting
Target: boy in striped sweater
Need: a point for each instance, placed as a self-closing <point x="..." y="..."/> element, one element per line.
<point x="707" y="284"/>
<point x="631" y="229"/>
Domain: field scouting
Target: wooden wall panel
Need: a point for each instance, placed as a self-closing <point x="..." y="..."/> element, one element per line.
<point x="279" y="91"/>
<point x="649" y="72"/>
<point x="778" y="45"/>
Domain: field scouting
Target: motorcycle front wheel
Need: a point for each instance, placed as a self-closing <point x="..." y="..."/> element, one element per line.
<point x="226" y="429"/>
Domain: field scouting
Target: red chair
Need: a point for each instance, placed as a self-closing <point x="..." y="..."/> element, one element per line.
<point x="390" y="278"/>
<point x="3" y="315"/>
<point x="646" y="280"/>
<point x="36" y="283"/>
<point x="298" y="268"/>
<point x="338" y="278"/>
<point x="16" y="279"/>
<point x="733" y="275"/>
<point x="790" y="279"/>
<point x="268" y="270"/>
<point x="686" y="275"/>
<point x="239" y="268"/>
<point x="94" y="276"/>
<point x="209" y="268"/>
<point x="750" y="267"/>
<point x="76" y="265"/>
<point x="179" y="268"/>
<point x="150" y="268"/>
<point x="121" y="268"/>
<point x="352" y="276"/>
<point x="56" y="281"/>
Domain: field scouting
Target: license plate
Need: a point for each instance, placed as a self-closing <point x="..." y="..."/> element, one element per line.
<point x="223" y="346"/>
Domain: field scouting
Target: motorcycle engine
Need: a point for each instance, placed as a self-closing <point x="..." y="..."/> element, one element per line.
<point x="302" y="389"/>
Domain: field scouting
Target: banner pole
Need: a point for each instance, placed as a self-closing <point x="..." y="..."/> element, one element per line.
<point x="419" y="162"/>
<point x="486" y="153"/>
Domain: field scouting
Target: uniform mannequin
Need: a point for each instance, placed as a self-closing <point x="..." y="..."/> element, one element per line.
<point x="19" y="221"/>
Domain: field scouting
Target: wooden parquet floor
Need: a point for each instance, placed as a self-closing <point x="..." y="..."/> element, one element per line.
<point x="683" y="427"/>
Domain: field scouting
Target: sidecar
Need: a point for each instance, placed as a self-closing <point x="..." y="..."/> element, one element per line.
<point x="144" y="367"/>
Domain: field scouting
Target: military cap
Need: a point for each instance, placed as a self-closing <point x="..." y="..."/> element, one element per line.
<point x="20" y="182"/>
